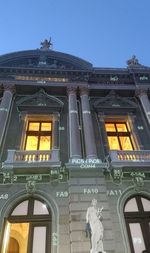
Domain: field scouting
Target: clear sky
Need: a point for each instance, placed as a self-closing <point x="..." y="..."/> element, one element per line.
<point x="103" y="32"/>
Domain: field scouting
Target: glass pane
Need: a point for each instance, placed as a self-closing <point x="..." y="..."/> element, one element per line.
<point x="121" y="127"/>
<point x="131" y="206"/>
<point x="110" y="127"/>
<point x="21" y="209"/>
<point x="45" y="143"/>
<point x="137" y="237"/>
<point x="39" y="240"/>
<point x="46" y="126"/>
<point x="34" y="126"/>
<point x="125" y="143"/>
<point x="32" y="142"/>
<point x="146" y="204"/>
<point x="113" y="142"/>
<point x="40" y="208"/>
<point x="16" y="238"/>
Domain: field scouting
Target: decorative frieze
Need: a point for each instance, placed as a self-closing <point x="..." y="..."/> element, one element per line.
<point x="55" y="175"/>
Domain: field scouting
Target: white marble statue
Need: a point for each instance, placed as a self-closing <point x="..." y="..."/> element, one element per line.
<point x="93" y="218"/>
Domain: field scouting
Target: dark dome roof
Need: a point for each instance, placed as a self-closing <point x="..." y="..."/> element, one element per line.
<point x="44" y="58"/>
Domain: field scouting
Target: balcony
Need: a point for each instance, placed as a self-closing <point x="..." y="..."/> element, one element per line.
<point x="31" y="159"/>
<point x="135" y="158"/>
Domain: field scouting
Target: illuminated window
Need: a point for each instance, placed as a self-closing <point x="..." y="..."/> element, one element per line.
<point x="42" y="79"/>
<point x="38" y="135"/>
<point x="28" y="231"/>
<point x="137" y="217"/>
<point x="119" y="136"/>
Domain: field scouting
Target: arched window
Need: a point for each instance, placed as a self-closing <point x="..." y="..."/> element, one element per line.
<point x="137" y="217"/>
<point x="28" y="228"/>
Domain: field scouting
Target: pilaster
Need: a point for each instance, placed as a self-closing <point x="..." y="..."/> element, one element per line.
<point x="5" y="107"/>
<point x="90" y="145"/>
<point x="142" y="95"/>
<point x="74" y="132"/>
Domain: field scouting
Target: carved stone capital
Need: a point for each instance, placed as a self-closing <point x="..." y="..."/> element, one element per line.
<point x="9" y="87"/>
<point x="138" y="179"/>
<point x="71" y="89"/>
<point x="84" y="90"/>
<point x="140" y="92"/>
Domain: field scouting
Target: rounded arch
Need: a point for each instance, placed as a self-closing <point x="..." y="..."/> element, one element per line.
<point x="20" y="196"/>
<point x="126" y="195"/>
<point x="39" y="195"/>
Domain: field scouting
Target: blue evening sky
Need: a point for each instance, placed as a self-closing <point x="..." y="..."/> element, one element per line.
<point x="103" y="32"/>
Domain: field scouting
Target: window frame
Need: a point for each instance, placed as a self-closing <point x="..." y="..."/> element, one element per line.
<point x="34" y="220"/>
<point x="38" y="117"/>
<point x="142" y="217"/>
<point x="38" y="133"/>
<point x="119" y="134"/>
<point x="126" y="118"/>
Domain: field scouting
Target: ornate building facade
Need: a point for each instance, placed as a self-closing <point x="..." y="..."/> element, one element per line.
<point x="70" y="134"/>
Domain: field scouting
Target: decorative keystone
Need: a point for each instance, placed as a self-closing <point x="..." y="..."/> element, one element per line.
<point x="30" y="187"/>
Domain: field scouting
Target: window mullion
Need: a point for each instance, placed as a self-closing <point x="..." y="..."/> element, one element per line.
<point x="118" y="135"/>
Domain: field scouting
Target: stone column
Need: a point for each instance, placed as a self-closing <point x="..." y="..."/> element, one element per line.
<point x="145" y="103"/>
<point x="74" y="132"/>
<point x="90" y="145"/>
<point x="5" y="107"/>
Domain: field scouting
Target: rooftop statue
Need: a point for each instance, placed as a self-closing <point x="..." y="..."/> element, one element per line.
<point x="46" y="44"/>
<point x="94" y="224"/>
<point x="133" y="61"/>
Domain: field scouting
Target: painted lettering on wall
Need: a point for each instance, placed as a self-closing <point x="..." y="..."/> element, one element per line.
<point x="88" y="163"/>
<point x="4" y="196"/>
<point x="137" y="240"/>
<point x="55" y="239"/>
<point x="113" y="192"/>
<point x="90" y="190"/>
<point x="62" y="194"/>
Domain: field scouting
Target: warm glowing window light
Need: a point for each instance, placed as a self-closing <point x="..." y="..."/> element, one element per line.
<point x="38" y="136"/>
<point x="25" y="229"/>
<point x="119" y="136"/>
<point x="42" y="79"/>
<point x="18" y="233"/>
